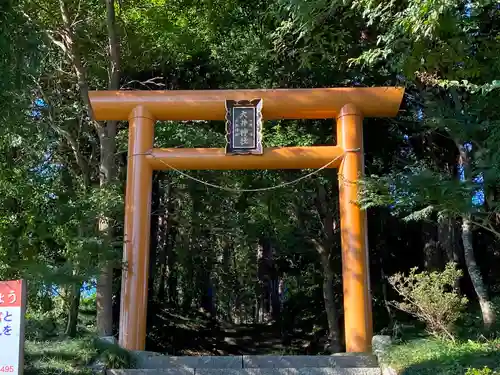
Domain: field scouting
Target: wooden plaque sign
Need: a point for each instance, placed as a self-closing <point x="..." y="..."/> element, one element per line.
<point x="244" y="127"/>
<point x="12" y="310"/>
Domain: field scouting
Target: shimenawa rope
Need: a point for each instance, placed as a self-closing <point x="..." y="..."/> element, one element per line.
<point x="234" y="190"/>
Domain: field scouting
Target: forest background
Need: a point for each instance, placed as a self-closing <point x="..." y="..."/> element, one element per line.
<point x="250" y="261"/>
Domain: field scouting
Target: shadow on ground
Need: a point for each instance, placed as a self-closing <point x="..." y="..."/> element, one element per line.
<point x="178" y="335"/>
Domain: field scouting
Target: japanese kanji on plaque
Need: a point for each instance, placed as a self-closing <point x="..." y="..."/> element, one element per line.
<point x="12" y="309"/>
<point x="244" y="127"/>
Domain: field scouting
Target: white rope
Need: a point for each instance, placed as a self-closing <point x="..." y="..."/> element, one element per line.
<point x="234" y="190"/>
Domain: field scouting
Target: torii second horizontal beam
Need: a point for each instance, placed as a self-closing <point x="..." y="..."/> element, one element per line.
<point x="273" y="158"/>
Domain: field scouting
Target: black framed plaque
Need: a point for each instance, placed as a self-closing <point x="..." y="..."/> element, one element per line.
<point x="244" y="127"/>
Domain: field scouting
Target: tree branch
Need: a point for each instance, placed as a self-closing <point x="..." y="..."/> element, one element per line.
<point x="73" y="53"/>
<point x="68" y="137"/>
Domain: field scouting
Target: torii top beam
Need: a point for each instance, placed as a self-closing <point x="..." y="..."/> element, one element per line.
<point x="181" y="105"/>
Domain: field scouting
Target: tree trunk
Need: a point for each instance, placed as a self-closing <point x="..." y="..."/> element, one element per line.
<point x="154" y="235"/>
<point x="265" y="271"/>
<point x="47" y="300"/>
<point x="275" y="299"/>
<point x="188" y="279"/>
<point x="73" y="307"/>
<point x="324" y="249"/>
<point x="172" y="273"/>
<point x="104" y="287"/>
<point x="192" y="246"/>
<point x="383" y="248"/>
<point x="485" y="304"/>
<point x="329" y="298"/>
<point x="331" y="310"/>
<point x="204" y="278"/>
<point x="432" y="251"/>
<point x="487" y="310"/>
<point x="106" y="134"/>
<point x="207" y="297"/>
<point x="163" y="225"/>
<point x="226" y="281"/>
<point x="104" y="301"/>
<point x="108" y="169"/>
<point x="162" y="261"/>
<point x="447" y="237"/>
<point x="171" y="269"/>
<point x="259" y="287"/>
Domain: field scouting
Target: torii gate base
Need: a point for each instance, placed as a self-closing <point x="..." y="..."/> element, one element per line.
<point x="143" y="108"/>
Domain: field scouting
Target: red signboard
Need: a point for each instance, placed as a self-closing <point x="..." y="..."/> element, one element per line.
<point x="12" y="310"/>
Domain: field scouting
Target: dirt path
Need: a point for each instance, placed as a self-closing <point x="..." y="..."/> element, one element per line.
<point x="179" y="335"/>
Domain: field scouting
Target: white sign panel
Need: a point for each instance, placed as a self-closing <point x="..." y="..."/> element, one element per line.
<point x="12" y="309"/>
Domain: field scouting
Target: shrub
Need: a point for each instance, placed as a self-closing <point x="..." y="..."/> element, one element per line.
<point x="483" y="371"/>
<point x="41" y="326"/>
<point x="430" y="297"/>
<point x="113" y="356"/>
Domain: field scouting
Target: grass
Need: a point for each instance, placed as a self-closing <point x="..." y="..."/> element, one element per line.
<point x="438" y="357"/>
<point x="48" y="351"/>
<point x="71" y="356"/>
<point x="64" y="357"/>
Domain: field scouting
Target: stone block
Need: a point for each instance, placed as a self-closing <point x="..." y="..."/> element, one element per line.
<point x="148" y="360"/>
<point x="356" y="360"/>
<point x="291" y="371"/>
<point x="303" y="361"/>
<point x="170" y="371"/>
<point x="381" y="345"/>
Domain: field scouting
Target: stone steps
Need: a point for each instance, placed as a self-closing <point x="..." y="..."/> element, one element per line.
<point x="338" y="364"/>
<point x="254" y="371"/>
<point x="148" y="360"/>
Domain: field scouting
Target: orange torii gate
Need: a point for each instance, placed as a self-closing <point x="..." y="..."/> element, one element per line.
<point x="347" y="105"/>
